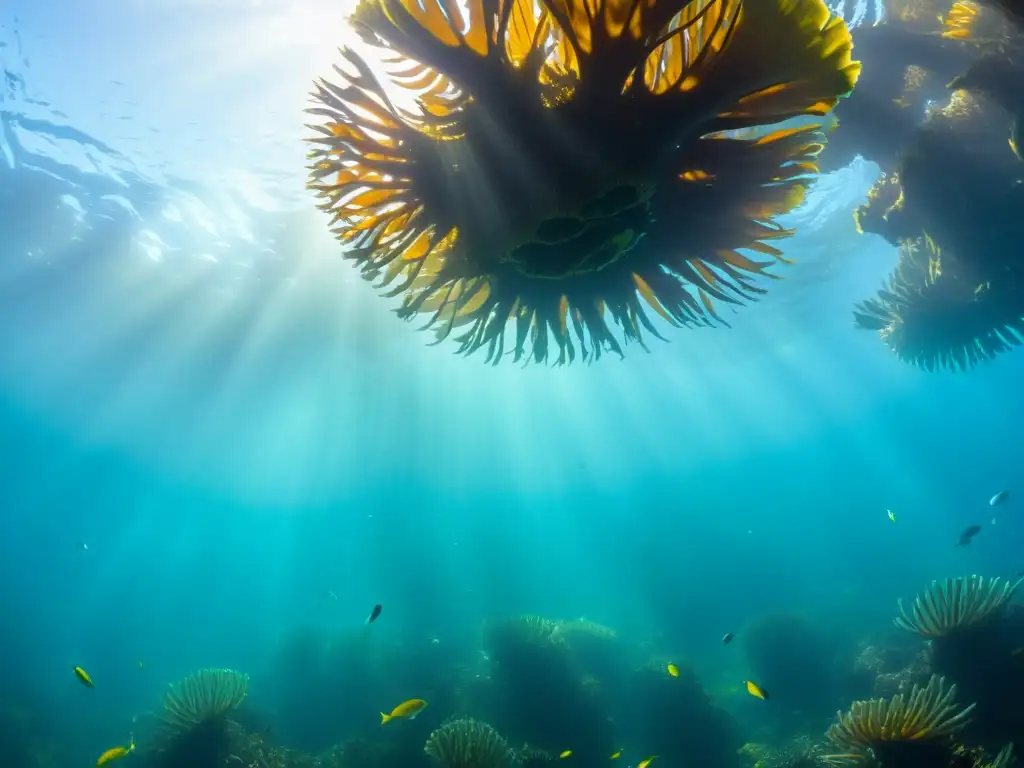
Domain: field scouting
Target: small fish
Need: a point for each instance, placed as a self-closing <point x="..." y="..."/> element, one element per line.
<point x="999" y="498"/>
<point x="727" y="638"/>
<point x="968" y="534"/>
<point x="116" y="753"/>
<point x="755" y="690"/>
<point x="83" y="546"/>
<point x="1017" y="651"/>
<point x="374" y="614"/>
<point x="646" y="761"/>
<point x="616" y="755"/>
<point x="407" y="710"/>
<point x="673" y="670"/>
<point x="1017" y="136"/>
<point x="892" y="516"/>
<point x="332" y="595"/>
<point x="565" y="753"/>
<point x="141" y="666"/>
<point x="83" y="677"/>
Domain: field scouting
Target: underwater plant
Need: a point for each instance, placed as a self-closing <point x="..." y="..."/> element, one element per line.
<point x="800" y="752"/>
<point x="956" y="298"/>
<point x="1003" y="759"/>
<point x="254" y="749"/>
<point x="566" y="167"/>
<point x="468" y="743"/>
<point x="195" y="729"/>
<point x="540" y="692"/>
<point x="975" y="637"/>
<point x="937" y="317"/>
<point x="531" y="757"/>
<point x="204" y="696"/>
<point x="878" y="731"/>
<point x="956" y="605"/>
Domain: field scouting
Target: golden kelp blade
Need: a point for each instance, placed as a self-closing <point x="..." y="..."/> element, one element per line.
<point x="558" y="42"/>
<point x="959" y="22"/>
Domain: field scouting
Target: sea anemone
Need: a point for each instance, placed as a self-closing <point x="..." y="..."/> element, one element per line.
<point x="955" y="605"/>
<point x="194" y="726"/>
<point x="921" y="722"/>
<point x="468" y="743"/>
<point x="564" y="166"/>
<point x="204" y="696"/>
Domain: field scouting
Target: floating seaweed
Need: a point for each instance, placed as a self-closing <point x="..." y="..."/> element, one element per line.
<point x="564" y="167"/>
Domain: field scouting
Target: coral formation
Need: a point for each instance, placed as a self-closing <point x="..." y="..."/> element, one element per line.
<point x="976" y="636"/>
<point x="915" y="727"/>
<point x="206" y="695"/>
<point x="542" y="693"/>
<point x="800" y="752"/>
<point x="194" y="727"/>
<point x="957" y="605"/>
<point x="468" y="743"/>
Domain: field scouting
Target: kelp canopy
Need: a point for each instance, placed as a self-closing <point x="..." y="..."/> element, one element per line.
<point x="956" y="298"/>
<point x="562" y="166"/>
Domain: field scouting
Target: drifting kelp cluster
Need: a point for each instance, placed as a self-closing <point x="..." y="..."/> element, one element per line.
<point x="570" y="166"/>
<point x="952" y="202"/>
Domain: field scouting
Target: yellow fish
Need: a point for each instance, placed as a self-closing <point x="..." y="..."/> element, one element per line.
<point x="565" y="754"/>
<point x="1017" y="136"/>
<point x="141" y="666"/>
<point x="646" y="761"/>
<point x="406" y="710"/>
<point x="616" y="755"/>
<point x="673" y="670"/>
<point x="116" y="753"/>
<point x="891" y="515"/>
<point x="83" y="676"/>
<point x="755" y="690"/>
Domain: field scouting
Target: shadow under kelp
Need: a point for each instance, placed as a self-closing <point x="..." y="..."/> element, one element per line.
<point x="541" y="693"/>
<point x="674" y="718"/>
<point x="801" y="666"/>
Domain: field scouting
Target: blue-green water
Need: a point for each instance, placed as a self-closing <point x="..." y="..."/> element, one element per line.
<point x="255" y="451"/>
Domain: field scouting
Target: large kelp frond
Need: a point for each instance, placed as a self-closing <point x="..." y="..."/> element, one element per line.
<point x="680" y="279"/>
<point x="812" y="66"/>
<point x="932" y="315"/>
<point x="363" y="172"/>
<point x="554" y="46"/>
<point x="959" y="23"/>
<point x="562" y="170"/>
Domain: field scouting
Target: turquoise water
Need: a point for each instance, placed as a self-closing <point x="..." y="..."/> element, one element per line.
<point x="254" y="450"/>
